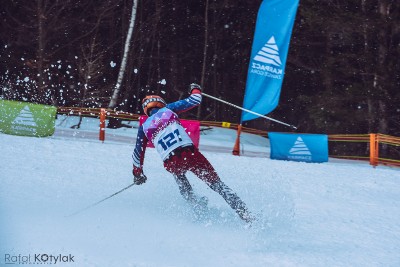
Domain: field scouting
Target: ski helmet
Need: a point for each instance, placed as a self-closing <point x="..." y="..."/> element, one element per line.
<point x="152" y="101"/>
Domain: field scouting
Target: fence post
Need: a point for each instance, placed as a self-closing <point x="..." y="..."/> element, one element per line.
<point x="373" y="149"/>
<point x="236" y="147"/>
<point x="102" y="133"/>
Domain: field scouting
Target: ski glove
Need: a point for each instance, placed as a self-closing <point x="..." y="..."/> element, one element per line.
<point x="194" y="88"/>
<point x="139" y="177"/>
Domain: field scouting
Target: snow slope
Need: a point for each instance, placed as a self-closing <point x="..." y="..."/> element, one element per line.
<point x="339" y="213"/>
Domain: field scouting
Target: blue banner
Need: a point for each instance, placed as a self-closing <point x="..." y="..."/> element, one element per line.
<point x="274" y="25"/>
<point x="299" y="147"/>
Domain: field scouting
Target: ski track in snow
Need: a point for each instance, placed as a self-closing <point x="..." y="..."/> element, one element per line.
<point x="339" y="213"/>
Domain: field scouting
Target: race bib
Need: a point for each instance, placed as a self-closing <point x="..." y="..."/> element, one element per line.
<point x="170" y="138"/>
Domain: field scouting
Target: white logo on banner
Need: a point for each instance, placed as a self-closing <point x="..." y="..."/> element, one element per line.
<point x="268" y="54"/>
<point x="24" y="118"/>
<point x="300" y="150"/>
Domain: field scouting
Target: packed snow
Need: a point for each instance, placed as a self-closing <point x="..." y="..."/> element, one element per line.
<point x="340" y="213"/>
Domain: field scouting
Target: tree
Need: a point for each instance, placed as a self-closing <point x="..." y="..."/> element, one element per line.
<point x="114" y="97"/>
<point x="341" y="75"/>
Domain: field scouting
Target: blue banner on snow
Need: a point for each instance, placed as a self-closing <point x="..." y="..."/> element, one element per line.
<point x="274" y="25"/>
<point x="299" y="147"/>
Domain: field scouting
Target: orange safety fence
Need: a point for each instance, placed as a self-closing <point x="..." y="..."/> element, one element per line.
<point x="349" y="138"/>
<point x="234" y="126"/>
<point x="374" y="142"/>
<point x="387" y="140"/>
<point x="95" y="112"/>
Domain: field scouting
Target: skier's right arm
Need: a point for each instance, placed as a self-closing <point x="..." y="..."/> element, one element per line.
<point x="138" y="157"/>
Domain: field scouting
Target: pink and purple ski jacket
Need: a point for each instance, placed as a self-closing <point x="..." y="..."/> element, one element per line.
<point x="164" y="129"/>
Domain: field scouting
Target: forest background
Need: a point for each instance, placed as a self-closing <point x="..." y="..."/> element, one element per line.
<point x="342" y="74"/>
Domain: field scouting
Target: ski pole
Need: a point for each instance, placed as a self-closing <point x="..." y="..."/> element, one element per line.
<point x="98" y="202"/>
<point x="249" y="111"/>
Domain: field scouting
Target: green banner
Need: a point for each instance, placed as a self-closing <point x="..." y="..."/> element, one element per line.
<point x="28" y="119"/>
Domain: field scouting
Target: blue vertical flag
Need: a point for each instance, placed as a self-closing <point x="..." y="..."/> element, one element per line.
<point x="274" y="25"/>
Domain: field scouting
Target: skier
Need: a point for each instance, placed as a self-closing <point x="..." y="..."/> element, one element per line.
<point x="177" y="151"/>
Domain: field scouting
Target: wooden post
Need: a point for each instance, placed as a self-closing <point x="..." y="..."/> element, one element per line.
<point x="102" y="133"/>
<point x="236" y="148"/>
<point x="373" y="149"/>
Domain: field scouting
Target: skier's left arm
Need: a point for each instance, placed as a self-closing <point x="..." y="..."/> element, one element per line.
<point x="188" y="103"/>
<point x="138" y="157"/>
